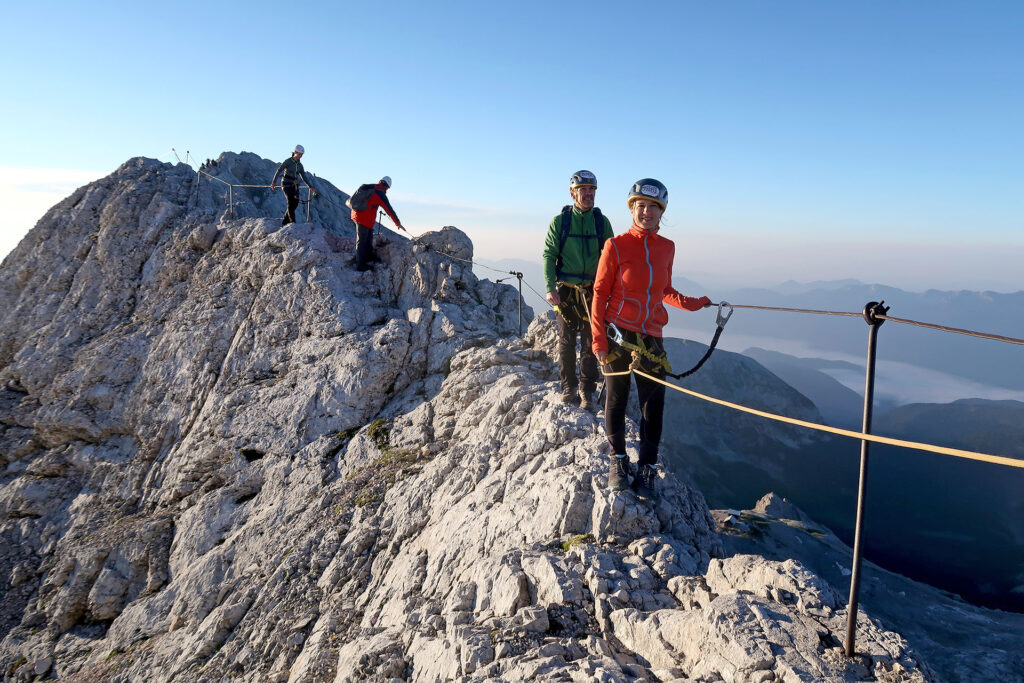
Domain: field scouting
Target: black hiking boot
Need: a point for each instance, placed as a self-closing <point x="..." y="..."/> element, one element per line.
<point x="570" y="397"/>
<point x="587" y="401"/>
<point x="643" y="484"/>
<point x="618" y="472"/>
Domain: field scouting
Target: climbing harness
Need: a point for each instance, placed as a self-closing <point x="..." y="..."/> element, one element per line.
<point x="655" y="360"/>
<point x="578" y="302"/>
<point x="658" y="360"/>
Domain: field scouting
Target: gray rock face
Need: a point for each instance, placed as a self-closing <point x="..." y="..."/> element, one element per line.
<point x="227" y="456"/>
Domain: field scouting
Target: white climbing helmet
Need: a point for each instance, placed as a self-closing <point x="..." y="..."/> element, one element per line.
<point x="386" y="180"/>
<point x="300" y="149"/>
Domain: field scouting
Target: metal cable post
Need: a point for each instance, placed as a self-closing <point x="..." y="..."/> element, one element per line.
<point x="520" y="276"/>
<point x="871" y="312"/>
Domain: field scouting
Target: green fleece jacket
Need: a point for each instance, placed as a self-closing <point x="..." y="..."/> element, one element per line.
<point x="580" y="253"/>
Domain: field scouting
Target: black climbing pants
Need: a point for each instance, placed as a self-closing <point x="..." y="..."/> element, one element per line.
<point x="291" y="193"/>
<point x="573" y="322"/>
<point x="364" y="246"/>
<point x="650" y="395"/>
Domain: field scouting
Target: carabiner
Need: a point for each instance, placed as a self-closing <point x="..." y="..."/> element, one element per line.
<point x="616" y="335"/>
<point x="722" y="318"/>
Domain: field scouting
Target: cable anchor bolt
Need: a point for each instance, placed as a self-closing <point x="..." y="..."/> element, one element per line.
<point x="873" y="309"/>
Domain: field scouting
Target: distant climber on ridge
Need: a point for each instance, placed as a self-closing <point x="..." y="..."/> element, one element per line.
<point x="291" y="171"/>
<point x="364" y="203"/>
<point x="633" y="283"/>
<point x="571" y="251"/>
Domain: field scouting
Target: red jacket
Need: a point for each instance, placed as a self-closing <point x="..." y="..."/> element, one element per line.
<point x="368" y="216"/>
<point x="633" y="284"/>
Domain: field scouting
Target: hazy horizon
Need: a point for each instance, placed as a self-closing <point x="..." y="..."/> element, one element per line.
<point x="29" y="193"/>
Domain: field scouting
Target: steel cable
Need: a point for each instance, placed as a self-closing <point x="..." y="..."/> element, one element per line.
<point x="956" y="330"/>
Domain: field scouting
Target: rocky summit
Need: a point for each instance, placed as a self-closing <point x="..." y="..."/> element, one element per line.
<point x="225" y="455"/>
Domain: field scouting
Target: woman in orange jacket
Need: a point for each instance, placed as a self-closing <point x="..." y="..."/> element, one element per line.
<point x="632" y="286"/>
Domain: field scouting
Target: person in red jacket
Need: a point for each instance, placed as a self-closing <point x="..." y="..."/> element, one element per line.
<point x="632" y="286"/>
<point x="365" y="218"/>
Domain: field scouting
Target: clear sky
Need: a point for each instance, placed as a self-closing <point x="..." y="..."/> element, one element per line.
<point x="803" y="140"/>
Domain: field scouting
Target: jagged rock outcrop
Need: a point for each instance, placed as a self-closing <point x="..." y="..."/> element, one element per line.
<point x="228" y="456"/>
<point x="959" y="641"/>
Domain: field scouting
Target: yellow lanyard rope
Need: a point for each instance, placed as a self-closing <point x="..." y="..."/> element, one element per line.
<point x="955" y="452"/>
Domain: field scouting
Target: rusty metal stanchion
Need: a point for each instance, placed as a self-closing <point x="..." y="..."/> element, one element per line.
<point x="871" y="311"/>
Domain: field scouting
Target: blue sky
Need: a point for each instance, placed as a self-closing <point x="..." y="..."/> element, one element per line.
<point x="798" y="140"/>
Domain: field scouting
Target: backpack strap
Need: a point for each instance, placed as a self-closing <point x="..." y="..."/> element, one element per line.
<point x="564" y="236"/>
<point x="566" y="222"/>
<point x="599" y="226"/>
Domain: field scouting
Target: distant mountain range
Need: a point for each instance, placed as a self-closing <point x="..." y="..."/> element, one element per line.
<point x="952" y="522"/>
<point x="839" y="405"/>
<point x="967" y="513"/>
<point x="979" y="360"/>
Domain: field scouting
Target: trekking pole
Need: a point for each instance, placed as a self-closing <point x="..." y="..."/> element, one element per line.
<point x="871" y="312"/>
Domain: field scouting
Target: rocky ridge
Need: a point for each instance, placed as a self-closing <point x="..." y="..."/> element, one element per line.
<point x="227" y="456"/>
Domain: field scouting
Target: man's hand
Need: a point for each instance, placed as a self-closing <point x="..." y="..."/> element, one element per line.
<point x="553" y="298"/>
<point x="602" y="357"/>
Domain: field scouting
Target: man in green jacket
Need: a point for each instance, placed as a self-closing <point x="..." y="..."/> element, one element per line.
<point x="571" y="252"/>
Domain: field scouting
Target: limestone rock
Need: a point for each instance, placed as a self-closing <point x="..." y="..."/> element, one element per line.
<point x="228" y="456"/>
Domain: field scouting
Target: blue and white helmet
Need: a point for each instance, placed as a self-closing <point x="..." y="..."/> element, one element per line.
<point x="386" y="180"/>
<point x="649" y="188"/>
<point x="300" y="149"/>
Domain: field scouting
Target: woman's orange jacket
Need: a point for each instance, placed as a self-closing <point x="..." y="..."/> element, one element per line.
<point x="633" y="284"/>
